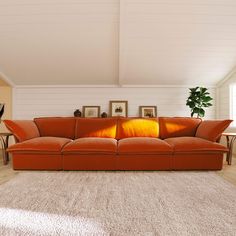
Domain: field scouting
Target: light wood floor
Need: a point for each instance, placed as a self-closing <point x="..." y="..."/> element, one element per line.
<point x="228" y="172"/>
<point x="6" y="172"/>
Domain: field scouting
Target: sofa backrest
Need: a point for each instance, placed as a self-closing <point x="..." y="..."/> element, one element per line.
<point x="137" y="127"/>
<point x="119" y="128"/>
<point x="56" y="126"/>
<point x="178" y="126"/>
<point x="96" y="127"/>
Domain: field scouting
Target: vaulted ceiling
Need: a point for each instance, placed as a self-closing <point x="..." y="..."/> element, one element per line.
<point x="110" y="42"/>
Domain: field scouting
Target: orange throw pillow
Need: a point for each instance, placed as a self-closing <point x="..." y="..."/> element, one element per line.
<point x="137" y="127"/>
<point x="171" y="127"/>
<point x="212" y="129"/>
<point x="22" y="129"/>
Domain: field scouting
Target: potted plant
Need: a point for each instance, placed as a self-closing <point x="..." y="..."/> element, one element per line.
<point x="198" y="99"/>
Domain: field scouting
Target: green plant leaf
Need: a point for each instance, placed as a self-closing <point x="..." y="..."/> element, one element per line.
<point x="203" y="90"/>
<point x="201" y="112"/>
<point x="207" y="99"/>
<point x="191" y="104"/>
<point x="209" y="104"/>
<point x="193" y="89"/>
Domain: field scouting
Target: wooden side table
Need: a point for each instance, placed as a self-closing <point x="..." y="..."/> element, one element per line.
<point x="4" y="139"/>
<point x="230" y="138"/>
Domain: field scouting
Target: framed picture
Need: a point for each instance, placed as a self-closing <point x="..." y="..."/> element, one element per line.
<point x="148" y="111"/>
<point x="119" y="108"/>
<point x="91" y="111"/>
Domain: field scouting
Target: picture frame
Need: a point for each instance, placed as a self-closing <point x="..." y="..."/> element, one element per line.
<point x="91" y="111"/>
<point x="147" y="111"/>
<point x="118" y="108"/>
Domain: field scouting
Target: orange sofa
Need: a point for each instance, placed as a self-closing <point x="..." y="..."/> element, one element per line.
<point x="164" y="143"/>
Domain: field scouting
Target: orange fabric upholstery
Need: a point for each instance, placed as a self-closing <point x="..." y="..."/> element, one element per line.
<point x="194" y="144"/>
<point x="96" y="127"/>
<point x="22" y="129"/>
<point x="91" y="145"/>
<point x="36" y="161"/>
<point x="198" y="161"/>
<point x="98" y="161"/>
<point x="144" y="162"/>
<point x="178" y="126"/>
<point x="144" y="145"/>
<point x="212" y="129"/>
<point x="96" y="148"/>
<point x="40" y="145"/>
<point x="56" y="126"/>
<point x="137" y="127"/>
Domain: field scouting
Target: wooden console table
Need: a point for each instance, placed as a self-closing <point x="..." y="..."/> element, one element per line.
<point x="4" y="139"/>
<point x="230" y="138"/>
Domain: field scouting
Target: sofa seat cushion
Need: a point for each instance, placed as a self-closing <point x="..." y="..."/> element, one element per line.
<point x="40" y="145"/>
<point x="194" y="145"/>
<point x="91" y="145"/>
<point x="143" y="145"/>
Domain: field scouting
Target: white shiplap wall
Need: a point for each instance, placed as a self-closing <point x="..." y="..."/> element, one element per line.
<point x="30" y="102"/>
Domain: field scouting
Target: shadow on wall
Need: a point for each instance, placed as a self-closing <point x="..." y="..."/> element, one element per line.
<point x="6" y="98"/>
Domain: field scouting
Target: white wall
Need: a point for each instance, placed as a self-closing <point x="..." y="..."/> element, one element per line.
<point x="30" y="102"/>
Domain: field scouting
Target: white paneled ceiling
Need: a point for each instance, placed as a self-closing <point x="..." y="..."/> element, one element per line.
<point x="60" y="41"/>
<point x="109" y="42"/>
<point x="177" y="41"/>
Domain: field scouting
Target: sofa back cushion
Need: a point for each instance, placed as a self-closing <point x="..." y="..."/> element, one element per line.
<point x="96" y="127"/>
<point x="137" y="127"/>
<point x="212" y="129"/>
<point x="178" y="126"/>
<point x="56" y="126"/>
<point x="22" y="129"/>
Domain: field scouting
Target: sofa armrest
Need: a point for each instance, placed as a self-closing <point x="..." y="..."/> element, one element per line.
<point x="22" y="129"/>
<point x="212" y="129"/>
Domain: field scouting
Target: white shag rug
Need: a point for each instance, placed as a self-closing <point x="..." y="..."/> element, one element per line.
<point x="118" y="204"/>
